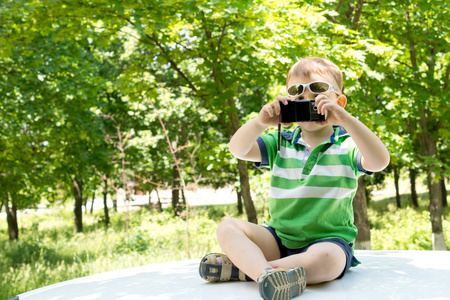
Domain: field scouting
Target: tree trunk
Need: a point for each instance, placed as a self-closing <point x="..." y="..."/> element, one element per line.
<point x="412" y="180"/>
<point x="239" y="202"/>
<point x="11" y="219"/>
<point x="246" y="195"/>
<point x="443" y="192"/>
<point x="159" y="205"/>
<point x="105" y="199"/>
<point x="183" y="197"/>
<point x="78" y="215"/>
<point x="85" y="203"/>
<point x="114" y="200"/>
<point x="361" y="220"/>
<point x="438" y="240"/>
<point x="429" y="148"/>
<point x="176" y="192"/>
<point x="92" y="203"/>
<point x="242" y="166"/>
<point x="397" y="189"/>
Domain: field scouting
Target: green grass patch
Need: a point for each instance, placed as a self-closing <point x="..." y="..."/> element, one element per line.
<point x="405" y="228"/>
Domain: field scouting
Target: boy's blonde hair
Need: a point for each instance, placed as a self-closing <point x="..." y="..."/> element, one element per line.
<point x="322" y="66"/>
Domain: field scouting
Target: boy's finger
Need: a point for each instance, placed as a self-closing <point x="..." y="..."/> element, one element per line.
<point x="283" y="99"/>
<point x="266" y="110"/>
<point x="321" y="106"/>
<point x="277" y="108"/>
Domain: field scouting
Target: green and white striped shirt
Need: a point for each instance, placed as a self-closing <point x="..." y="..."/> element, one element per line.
<point x="311" y="193"/>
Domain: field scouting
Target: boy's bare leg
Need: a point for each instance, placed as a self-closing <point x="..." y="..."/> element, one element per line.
<point x="252" y="248"/>
<point x="322" y="262"/>
<point x="247" y="245"/>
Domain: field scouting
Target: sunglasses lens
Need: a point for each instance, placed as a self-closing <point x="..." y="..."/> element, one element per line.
<point x="319" y="87"/>
<point x="295" y="90"/>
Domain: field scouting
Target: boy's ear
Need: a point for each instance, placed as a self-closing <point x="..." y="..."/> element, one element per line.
<point x="342" y="101"/>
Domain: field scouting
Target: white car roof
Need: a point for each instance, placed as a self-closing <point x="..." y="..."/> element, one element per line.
<point x="381" y="275"/>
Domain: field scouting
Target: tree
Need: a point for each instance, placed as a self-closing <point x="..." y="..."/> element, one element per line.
<point x="361" y="220"/>
<point x="422" y="96"/>
<point x="24" y="114"/>
<point x="64" y="77"/>
<point x="410" y="66"/>
<point x="202" y="35"/>
<point x="225" y="55"/>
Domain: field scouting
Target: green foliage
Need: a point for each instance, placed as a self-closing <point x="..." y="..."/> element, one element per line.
<point x="26" y="252"/>
<point x="404" y="229"/>
<point x="73" y="73"/>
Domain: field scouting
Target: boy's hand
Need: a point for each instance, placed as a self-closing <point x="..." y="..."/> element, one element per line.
<point x="270" y="113"/>
<point x="375" y="156"/>
<point x="333" y="110"/>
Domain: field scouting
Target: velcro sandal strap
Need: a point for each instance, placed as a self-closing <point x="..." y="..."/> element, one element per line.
<point x="242" y="276"/>
<point x="212" y="270"/>
<point x="227" y="267"/>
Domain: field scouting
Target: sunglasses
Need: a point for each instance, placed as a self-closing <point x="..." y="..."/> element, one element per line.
<point x="316" y="87"/>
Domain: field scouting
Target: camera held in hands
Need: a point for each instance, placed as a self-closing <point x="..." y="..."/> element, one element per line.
<point x="300" y="111"/>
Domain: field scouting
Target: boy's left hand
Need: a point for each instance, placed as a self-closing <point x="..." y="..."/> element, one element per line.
<point x="333" y="110"/>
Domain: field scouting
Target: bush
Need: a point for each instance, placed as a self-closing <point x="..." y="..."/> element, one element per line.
<point x="403" y="229"/>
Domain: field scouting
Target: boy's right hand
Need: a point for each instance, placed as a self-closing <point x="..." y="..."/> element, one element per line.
<point x="270" y="113"/>
<point x="243" y="144"/>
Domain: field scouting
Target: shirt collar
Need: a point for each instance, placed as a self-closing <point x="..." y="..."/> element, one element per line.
<point x="338" y="133"/>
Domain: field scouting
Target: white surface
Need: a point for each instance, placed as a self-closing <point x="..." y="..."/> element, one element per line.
<point x="382" y="275"/>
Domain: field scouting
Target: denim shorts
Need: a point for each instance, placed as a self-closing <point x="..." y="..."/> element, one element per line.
<point x="284" y="251"/>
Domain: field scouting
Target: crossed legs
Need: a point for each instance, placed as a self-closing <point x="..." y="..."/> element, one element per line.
<point x="252" y="249"/>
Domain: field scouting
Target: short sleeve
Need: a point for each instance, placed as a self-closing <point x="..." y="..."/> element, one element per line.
<point x="264" y="156"/>
<point x="356" y="156"/>
<point x="268" y="146"/>
<point x="359" y="165"/>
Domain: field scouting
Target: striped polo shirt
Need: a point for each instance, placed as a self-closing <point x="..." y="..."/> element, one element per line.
<point x="311" y="192"/>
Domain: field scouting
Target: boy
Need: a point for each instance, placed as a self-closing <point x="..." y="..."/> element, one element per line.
<point x="314" y="179"/>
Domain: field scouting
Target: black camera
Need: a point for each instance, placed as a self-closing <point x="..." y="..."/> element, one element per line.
<point x="300" y="111"/>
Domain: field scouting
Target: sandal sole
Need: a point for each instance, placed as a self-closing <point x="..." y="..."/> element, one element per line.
<point x="283" y="285"/>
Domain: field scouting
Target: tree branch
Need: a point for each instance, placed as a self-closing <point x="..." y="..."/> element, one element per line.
<point x="221" y="38"/>
<point x="172" y="62"/>
<point x="447" y="75"/>
<point x="357" y="16"/>
<point x="412" y="50"/>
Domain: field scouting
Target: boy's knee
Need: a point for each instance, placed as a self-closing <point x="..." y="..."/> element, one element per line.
<point x="329" y="261"/>
<point x="329" y="255"/>
<point x="227" y="226"/>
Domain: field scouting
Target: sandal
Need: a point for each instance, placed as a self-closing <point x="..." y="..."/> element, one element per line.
<point x="282" y="284"/>
<point x="214" y="271"/>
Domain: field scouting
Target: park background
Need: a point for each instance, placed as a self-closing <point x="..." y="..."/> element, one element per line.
<point x="105" y="100"/>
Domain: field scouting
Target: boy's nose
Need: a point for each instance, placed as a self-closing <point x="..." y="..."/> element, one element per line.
<point x="307" y="95"/>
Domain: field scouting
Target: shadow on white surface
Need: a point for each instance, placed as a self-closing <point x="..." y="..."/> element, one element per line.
<point x="382" y="275"/>
<point x="392" y="275"/>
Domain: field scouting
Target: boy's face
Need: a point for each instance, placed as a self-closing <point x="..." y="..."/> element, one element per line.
<point x="308" y="95"/>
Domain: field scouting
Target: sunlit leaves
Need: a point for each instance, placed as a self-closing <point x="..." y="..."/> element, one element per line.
<point x="204" y="67"/>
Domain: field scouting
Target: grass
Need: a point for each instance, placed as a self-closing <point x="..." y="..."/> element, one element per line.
<point x="49" y="252"/>
<point x="405" y="228"/>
